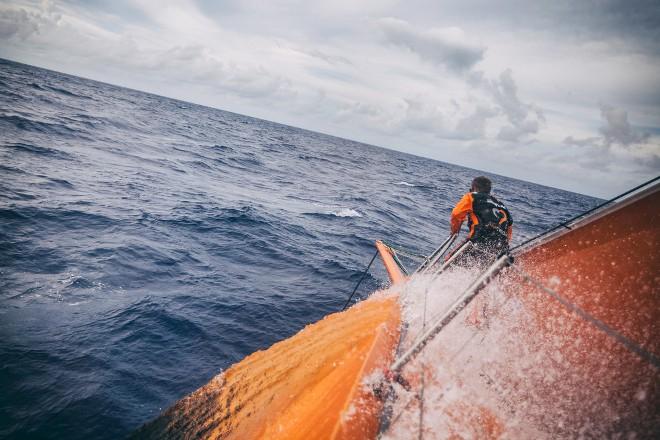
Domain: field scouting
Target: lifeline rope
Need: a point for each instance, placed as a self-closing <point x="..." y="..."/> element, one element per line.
<point x="609" y="331"/>
<point x="449" y="360"/>
<point x="405" y="252"/>
<point x="395" y="251"/>
<point x="364" y="274"/>
<point x="421" y="391"/>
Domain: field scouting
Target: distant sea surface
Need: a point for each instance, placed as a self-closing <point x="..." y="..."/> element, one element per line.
<point x="148" y="243"/>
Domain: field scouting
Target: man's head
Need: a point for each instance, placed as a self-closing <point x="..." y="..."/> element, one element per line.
<point x="481" y="184"/>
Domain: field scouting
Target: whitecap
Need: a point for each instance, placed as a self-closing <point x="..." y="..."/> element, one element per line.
<point x="346" y="212"/>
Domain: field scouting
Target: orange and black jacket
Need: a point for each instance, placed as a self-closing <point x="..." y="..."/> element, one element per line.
<point x="487" y="216"/>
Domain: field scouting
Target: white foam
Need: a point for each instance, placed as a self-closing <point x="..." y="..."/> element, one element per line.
<point x="453" y="362"/>
<point x="345" y="212"/>
<point x="500" y="360"/>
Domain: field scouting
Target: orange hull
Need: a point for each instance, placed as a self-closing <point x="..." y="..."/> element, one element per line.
<point x="307" y="386"/>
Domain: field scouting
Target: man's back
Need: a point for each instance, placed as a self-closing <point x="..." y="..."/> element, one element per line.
<point x="489" y="221"/>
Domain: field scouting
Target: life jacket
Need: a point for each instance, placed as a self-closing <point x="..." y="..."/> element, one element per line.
<point x="489" y="219"/>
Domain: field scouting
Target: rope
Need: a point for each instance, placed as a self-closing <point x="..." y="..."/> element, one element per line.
<point x="364" y="274"/>
<point x="433" y="259"/>
<point x="565" y="223"/>
<point x="609" y="331"/>
<point x="405" y="252"/>
<point x="454" y="374"/>
<point x="399" y="263"/>
<point x="461" y="302"/>
<point x="411" y="256"/>
<point x="421" y="390"/>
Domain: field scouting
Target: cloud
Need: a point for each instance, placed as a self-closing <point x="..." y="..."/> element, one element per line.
<point x="619" y="144"/>
<point x="618" y="129"/>
<point x="473" y="126"/>
<point x="330" y="59"/>
<point x="484" y="109"/>
<point x="446" y="46"/>
<point x="585" y="142"/>
<point x="22" y="24"/>
<point x="524" y="119"/>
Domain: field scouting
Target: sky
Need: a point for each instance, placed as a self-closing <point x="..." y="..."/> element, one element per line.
<point x="561" y="93"/>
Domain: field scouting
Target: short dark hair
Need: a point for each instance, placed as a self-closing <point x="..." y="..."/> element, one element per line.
<point x="481" y="184"/>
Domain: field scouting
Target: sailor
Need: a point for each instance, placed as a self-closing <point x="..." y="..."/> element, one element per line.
<point x="489" y="222"/>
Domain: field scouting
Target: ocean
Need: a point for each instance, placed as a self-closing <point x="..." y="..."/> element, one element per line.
<point x="147" y="243"/>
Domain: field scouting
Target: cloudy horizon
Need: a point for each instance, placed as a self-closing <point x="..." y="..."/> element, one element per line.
<point x="559" y="94"/>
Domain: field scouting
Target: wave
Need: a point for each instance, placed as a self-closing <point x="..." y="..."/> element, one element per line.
<point x="57" y="90"/>
<point x="346" y="212"/>
<point x="415" y="185"/>
<point x="37" y="150"/>
<point x="32" y="125"/>
<point x="341" y="213"/>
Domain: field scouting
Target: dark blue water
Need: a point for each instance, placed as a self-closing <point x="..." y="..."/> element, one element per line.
<point x="148" y="243"/>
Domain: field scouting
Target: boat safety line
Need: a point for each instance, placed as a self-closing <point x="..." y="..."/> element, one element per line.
<point x="437" y="254"/>
<point x="629" y="344"/>
<point x="391" y="420"/>
<point x="405" y="252"/>
<point x="464" y="247"/>
<point x="465" y="298"/>
<point x="399" y="263"/>
<point x="423" y="371"/>
<point x="364" y="274"/>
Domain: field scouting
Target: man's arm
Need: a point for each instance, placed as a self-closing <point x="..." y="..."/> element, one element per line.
<point x="460" y="211"/>
<point x="509" y="222"/>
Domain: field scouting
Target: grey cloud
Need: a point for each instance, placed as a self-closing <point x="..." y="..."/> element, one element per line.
<point x="524" y="119"/>
<point x="619" y="143"/>
<point x="474" y="125"/>
<point x="350" y="110"/>
<point x="634" y="22"/>
<point x="447" y="47"/>
<point x="330" y="59"/>
<point x="22" y="24"/>
<point x="618" y="129"/>
<point x="248" y="82"/>
<point x="425" y="118"/>
<point x="585" y="142"/>
<point x="513" y="133"/>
